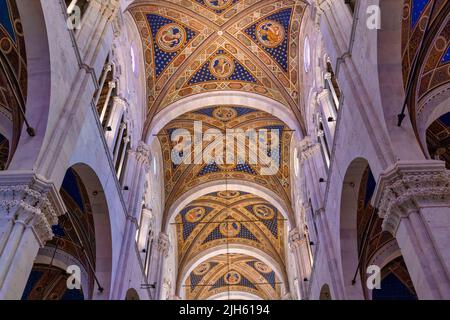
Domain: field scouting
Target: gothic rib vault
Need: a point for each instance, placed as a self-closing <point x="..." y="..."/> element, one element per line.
<point x="201" y="46"/>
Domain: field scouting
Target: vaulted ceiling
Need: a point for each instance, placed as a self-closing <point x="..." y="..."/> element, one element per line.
<point x="246" y="274"/>
<point x="194" y="47"/>
<point x="183" y="177"/>
<point x="197" y="46"/>
<point x="229" y="217"/>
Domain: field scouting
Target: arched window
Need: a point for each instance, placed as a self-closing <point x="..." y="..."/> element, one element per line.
<point x="351" y="4"/>
<point x="121" y="150"/>
<point x="103" y="97"/>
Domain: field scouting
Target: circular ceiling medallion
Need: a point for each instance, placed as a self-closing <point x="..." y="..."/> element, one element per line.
<point x="264" y="212"/>
<point x="270" y="33"/>
<point x="230" y="229"/>
<point x="195" y="214"/>
<point x="262" y="267"/>
<point x="225" y="113"/>
<point x="202" y="269"/>
<point x="18" y="27"/>
<point x="218" y="4"/>
<point x="6" y="45"/>
<point x="222" y="66"/>
<point x="171" y="37"/>
<point x="228" y="194"/>
<point x="232" y="278"/>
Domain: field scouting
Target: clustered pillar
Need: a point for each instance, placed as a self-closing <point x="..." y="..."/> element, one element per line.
<point x="29" y="206"/>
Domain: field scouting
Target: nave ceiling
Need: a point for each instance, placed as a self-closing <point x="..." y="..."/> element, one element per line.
<point x="247" y="274"/>
<point x="194" y="47"/>
<point x="197" y="46"/>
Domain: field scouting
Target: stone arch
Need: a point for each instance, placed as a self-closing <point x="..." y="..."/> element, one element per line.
<point x="102" y="225"/>
<point x="39" y="83"/>
<point x="440" y="108"/>
<point x="223" y="185"/>
<point x="86" y="221"/>
<point x="348" y="228"/>
<point x="199" y="101"/>
<point x="227" y="249"/>
<point x="390" y="81"/>
<point x="133" y="81"/>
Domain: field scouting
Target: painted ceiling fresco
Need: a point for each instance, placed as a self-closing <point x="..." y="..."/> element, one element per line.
<point x="196" y="46"/>
<point x="232" y="272"/>
<point x="74" y="237"/>
<point x="183" y="177"/>
<point x="426" y="40"/>
<point x="229" y="217"/>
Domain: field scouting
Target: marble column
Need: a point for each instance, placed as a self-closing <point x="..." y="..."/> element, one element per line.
<point x="29" y="206"/>
<point x="146" y="222"/>
<point x="160" y="254"/>
<point x="327" y="112"/>
<point x="119" y="108"/>
<point x="107" y="69"/>
<point x="298" y="244"/>
<point x="413" y="199"/>
<point x="111" y="87"/>
<point x="138" y="166"/>
<point x="94" y="28"/>
<point x="314" y="170"/>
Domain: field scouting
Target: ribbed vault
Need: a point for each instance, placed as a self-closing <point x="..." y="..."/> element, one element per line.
<point x="198" y="46"/>
<point x="195" y="48"/>
<point x="228" y="273"/>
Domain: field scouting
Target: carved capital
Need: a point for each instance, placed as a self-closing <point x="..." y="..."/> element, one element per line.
<point x="108" y="68"/>
<point x="296" y="238"/>
<point x="147" y="212"/>
<point x="163" y="244"/>
<point x="28" y="199"/>
<point x="143" y="155"/>
<point x="308" y="148"/>
<point x="409" y="186"/>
